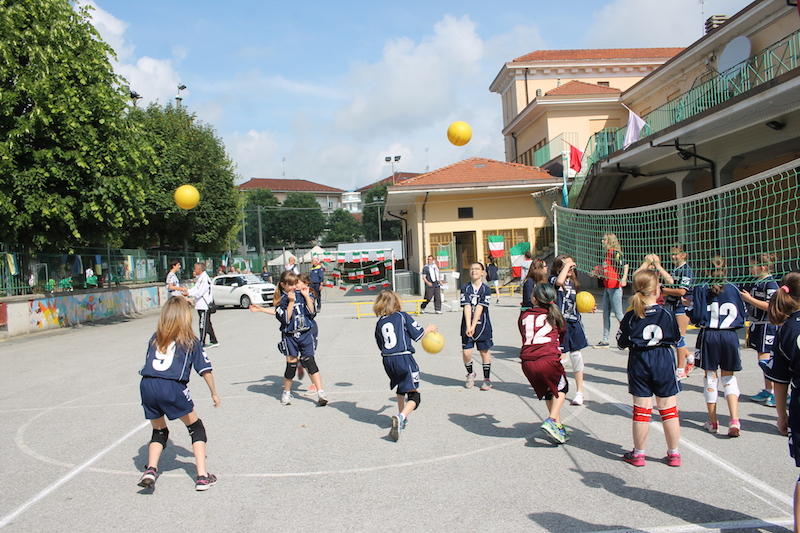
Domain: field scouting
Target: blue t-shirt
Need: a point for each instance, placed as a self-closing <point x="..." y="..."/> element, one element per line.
<point x="682" y="276"/>
<point x="395" y="334"/>
<point x="717" y="311"/>
<point x="176" y="363"/>
<point x="302" y="318"/>
<point x="477" y="297"/>
<point x="317" y="274"/>
<point x="657" y="328"/>
<point x="565" y="299"/>
<point x="763" y="290"/>
<point x="785" y="363"/>
<point x="527" y="293"/>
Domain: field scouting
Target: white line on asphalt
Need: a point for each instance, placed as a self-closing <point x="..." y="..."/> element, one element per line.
<point x="74" y="472"/>
<point x="709" y="527"/>
<point x="702" y="452"/>
<point x="763" y="499"/>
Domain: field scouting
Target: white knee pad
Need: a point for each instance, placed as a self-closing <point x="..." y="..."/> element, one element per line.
<point x="730" y="386"/>
<point x="710" y="387"/>
<point x="577" y="361"/>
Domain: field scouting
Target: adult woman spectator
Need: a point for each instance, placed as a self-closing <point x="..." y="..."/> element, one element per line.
<point x="614" y="274"/>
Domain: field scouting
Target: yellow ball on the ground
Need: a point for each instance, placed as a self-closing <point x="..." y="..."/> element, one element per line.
<point x="459" y="133"/>
<point x="433" y="342"/>
<point x="187" y="197"/>
<point x="584" y="301"/>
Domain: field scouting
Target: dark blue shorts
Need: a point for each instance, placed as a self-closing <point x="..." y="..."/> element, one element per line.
<point x="483" y="343"/>
<point x="652" y="372"/>
<point x="719" y="348"/>
<point x="303" y="345"/>
<point x="165" y="397"/>
<point x="403" y="372"/>
<point x="761" y="337"/>
<point x="794" y="426"/>
<point x="574" y="338"/>
<point x="676" y="308"/>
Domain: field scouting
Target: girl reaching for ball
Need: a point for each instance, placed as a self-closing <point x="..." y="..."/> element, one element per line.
<point x="395" y="334"/>
<point x="542" y="328"/>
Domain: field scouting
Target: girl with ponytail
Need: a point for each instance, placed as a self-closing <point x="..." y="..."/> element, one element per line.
<point x="542" y="328"/>
<point x="784" y="368"/>
<point x="650" y="333"/>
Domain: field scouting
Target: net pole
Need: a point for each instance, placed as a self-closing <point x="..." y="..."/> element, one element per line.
<point x="394" y="286"/>
<point x="555" y="228"/>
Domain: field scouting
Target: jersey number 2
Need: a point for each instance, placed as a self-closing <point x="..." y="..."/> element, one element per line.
<point x="537" y="329"/>
<point x="653" y="334"/>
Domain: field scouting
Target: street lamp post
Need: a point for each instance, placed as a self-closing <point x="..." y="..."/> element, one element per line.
<point x="179" y="96"/>
<point x="392" y="160"/>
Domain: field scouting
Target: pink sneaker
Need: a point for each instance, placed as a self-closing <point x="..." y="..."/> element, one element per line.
<point x="711" y="427"/>
<point x="635" y="459"/>
<point x="673" y="459"/>
<point x="688" y="369"/>
<point x="734" y="428"/>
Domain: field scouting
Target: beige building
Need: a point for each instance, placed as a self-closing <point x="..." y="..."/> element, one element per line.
<point x="455" y="209"/>
<point x="328" y="198"/>
<point x="723" y="109"/>
<point x="553" y="97"/>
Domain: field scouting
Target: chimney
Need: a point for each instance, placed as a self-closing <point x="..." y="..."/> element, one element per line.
<point x="715" y="21"/>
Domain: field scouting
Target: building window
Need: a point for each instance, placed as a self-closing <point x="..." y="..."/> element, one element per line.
<point x="440" y="241"/>
<point x="465" y="212"/>
<point x="602" y="83"/>
<point x="511" y="237"/>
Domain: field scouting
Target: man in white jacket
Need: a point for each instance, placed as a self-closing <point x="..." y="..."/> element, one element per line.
<point x="201" y="293"/>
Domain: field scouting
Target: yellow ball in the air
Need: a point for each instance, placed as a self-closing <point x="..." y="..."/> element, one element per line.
<point x="187" y="197"/>
<point x="433" y="342"/>
<point x="584" y="301"/>
<point x="459" y="133"/>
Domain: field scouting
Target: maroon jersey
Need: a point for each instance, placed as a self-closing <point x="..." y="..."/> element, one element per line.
<point x="539" y="337"/>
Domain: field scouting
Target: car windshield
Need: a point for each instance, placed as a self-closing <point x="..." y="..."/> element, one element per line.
<point x="250" y="279"/>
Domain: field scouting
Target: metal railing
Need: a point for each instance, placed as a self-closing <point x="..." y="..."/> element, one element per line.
<point x="549" y="151"/>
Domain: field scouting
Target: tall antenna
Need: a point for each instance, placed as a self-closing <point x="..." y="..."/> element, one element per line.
<point x="283" y="166"/>
<point x="702" y="14"/>
<point x="427" y="160"/>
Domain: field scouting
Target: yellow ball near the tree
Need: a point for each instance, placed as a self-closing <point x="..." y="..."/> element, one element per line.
<point x="459" y="133"/>
<point x="433" y="342"/>
<point x="584" y="301"/>
<point x="187" y="197"/>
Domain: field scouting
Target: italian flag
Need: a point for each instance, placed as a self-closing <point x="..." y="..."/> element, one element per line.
<point x="372" y="286"/>
<point x="442" y="259"/>
<point x="342" y="288"/>
<point x="352" y="276"/>
<point x="336" y="274"/>
<point x="380" y="255"/>
<point x="340" y="257"/>
<point x="360" y="274"/>
<point x="386" y="284"/>
<point x="388" y="265"/>
<point x="374" y="270"/>
<point x="328" y="284"/>
<point x="359" y="288"/>
<point x="364" y="256"/>
<point x="517" y="257"/>
<point x="496" y="245"/>
<point x="328" y="258"/>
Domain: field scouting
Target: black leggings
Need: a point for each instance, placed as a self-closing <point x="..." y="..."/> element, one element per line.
<point x="205" y="326"/>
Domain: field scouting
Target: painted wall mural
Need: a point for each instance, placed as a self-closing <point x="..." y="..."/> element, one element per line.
<point x="74" y="309"/>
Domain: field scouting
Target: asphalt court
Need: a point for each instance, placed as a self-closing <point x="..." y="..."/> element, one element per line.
<point x="74" y="441"/>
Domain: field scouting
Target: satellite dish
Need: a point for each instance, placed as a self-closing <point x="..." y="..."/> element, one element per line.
<point x="734" y="53"/>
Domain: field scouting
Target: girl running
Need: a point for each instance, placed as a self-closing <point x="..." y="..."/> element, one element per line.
<point x="784" y="311"/>
<point x="476" y="327"/>
<point x="650" y="331"/>
<point x="761" y="334"/>
<point x="395" y="334"/>
<point x="564" y="279"/>
<point x="542" y="328"/>
<point x="172" y="352"/>
<point x="718" y="310"/>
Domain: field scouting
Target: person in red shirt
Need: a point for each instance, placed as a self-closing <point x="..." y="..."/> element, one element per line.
<point x="542" y="328"/>
<point x="614" y="274"/>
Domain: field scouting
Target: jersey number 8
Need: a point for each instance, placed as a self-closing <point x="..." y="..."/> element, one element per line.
<point x="389" y="336"/>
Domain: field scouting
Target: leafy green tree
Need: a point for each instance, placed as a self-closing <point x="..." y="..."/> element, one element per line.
<point x="300" y="226"/>
<point x="374" y="200"/>
<point x="70" y="157"/>
<point x="255" y="199"/>
<point x="342" y="227"/>
<point x="187" y="152"/>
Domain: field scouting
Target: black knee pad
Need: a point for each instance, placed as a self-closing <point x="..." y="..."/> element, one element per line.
<point x="291" y="370"/>
<point x="160" y="436"/>
<point x="310" y="365"/>
<point x="197" y="431"/>
<point x="415" y="397"/>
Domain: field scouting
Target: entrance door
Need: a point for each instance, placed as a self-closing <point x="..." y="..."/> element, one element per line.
<point x="466" y="253"/>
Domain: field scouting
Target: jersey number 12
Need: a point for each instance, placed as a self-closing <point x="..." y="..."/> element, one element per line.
<point x="537" y="329"/>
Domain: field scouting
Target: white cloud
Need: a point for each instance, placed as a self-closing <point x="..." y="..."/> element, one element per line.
<point x="646" y="23"/>
<point x="255" y="153"/>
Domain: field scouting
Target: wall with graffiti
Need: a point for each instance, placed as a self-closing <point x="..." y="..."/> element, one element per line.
<point x="73" y="309"/>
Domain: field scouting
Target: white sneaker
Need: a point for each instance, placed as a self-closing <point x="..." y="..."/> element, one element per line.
<point x="470" y="380"/>
<point x="286" y="397"/>
<point x="438" y="312"/>
<point x="322" y="400"/>
<point x="578" y="399"/>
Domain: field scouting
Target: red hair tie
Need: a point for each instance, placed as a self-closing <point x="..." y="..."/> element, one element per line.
<point x="785" y="289"/>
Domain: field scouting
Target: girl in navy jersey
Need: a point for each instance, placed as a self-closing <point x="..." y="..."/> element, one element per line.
<point x="650" y="331"/>
<point x="761" y="334"/>
<point x="718" y="310"/>
<point x="172" y="352"/>
<point x="563" y="278"/>
<point x="542" y="328"/>
<point x="395" y="334"/>
<point x="537" y="273"/>
<point x="476" y="327"/>
<point x="784" y="311"/>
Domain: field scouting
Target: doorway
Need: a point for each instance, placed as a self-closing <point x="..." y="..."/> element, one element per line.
<point x="466" y="253"/>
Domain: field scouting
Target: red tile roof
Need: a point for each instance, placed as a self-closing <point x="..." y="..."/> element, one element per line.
<point x="598" y="54"/>
<point x="399" y="176"/>
<point x="581" y="87"/>
<point x="476" y="171"/>
<point x="286" y="185"/>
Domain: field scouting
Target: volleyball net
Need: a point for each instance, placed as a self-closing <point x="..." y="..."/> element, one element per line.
<point x="739" y="222"/>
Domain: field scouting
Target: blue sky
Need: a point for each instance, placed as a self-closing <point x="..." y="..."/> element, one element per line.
<point x="333" y="87"/>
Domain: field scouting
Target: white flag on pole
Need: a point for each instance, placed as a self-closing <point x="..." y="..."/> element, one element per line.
<point x="635" y="125"/>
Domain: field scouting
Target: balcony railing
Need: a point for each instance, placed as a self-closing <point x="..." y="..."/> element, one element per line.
<point x="549" y="151"/>
<point x="775" y="60"/>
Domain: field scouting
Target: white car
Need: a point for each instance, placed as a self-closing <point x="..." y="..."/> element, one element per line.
<point x="241" y="290"/>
